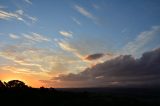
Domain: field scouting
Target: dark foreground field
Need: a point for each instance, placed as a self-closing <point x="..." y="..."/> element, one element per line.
<point x="81" y="97"/>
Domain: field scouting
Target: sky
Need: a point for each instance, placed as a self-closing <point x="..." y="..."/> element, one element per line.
<point x="80" y="43"/>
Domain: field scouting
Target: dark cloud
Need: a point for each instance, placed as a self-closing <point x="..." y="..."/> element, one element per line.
<point x="120" y="71"/>
<point x="94" y="56"/>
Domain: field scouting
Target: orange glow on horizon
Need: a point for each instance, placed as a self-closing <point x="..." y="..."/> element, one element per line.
<point x="9" y="79"/>
<point x="28" y="80"/>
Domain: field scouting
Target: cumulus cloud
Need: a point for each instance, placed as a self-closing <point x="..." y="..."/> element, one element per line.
<point x="36" y="37"/>
<point x="14" y="36"/>
<point x="66" y="34"/>
<point x="93" y="56"/>
<point x="123" y="70"/>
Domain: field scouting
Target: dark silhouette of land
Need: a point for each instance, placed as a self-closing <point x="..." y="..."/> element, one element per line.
<point x="17" y="92"/>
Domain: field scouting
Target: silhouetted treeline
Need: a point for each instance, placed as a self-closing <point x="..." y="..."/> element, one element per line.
<point x="17" y="92"/>
<point x="13" y="84"/>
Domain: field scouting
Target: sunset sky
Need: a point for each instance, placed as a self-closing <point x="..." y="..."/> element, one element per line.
<point x="80" y="43"/>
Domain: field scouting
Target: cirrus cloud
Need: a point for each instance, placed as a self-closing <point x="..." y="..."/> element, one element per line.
<point x="36" y="37"/>
<point x="76" y="21"/>
<point x="19" y="15"/>
<point x="14" y="36"/>
<point x="28" y="1"/>
<point x="66" y="34"/>
<point x="9" y="15"/>
<point x="85" y="13"/>
<point x="141" y="40"/>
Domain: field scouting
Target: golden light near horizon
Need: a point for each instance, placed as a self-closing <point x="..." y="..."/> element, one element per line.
<point x="13" y="78"/>
<point x="29" y="82"/>
<point x="9" y="78"/>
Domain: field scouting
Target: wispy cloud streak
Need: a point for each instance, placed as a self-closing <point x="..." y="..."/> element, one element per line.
<point x="14" y="36"/>
<point x="28" y="1"/>
<point x="36" y="37"/>
<point x="17" y="15"/>
<point x="142" y="39"/>
<point x="76" y="21"/>
<point x="84" y="12"/>
<point x="66" y="34"/>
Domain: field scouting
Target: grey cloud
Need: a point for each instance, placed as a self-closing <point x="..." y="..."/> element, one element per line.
<point x="94" y="56"/>
<point x="123" y="70"/>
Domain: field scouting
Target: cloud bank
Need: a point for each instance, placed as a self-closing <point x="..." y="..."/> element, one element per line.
<point x="123" y="70"/>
